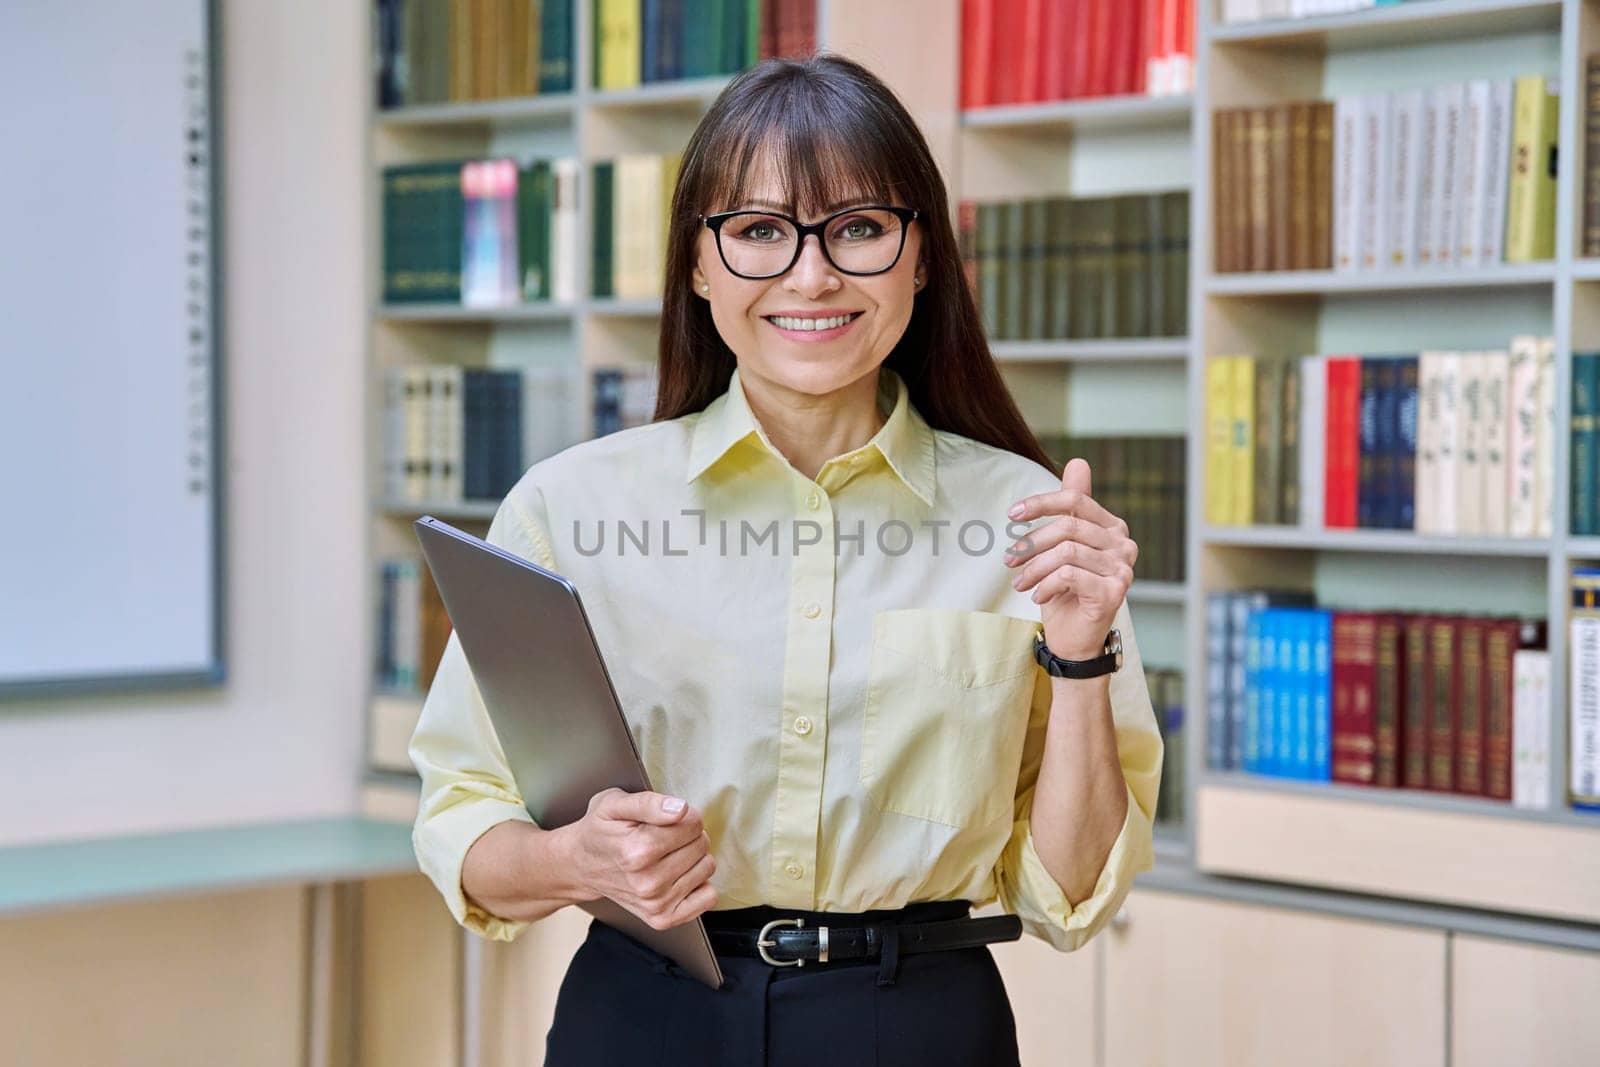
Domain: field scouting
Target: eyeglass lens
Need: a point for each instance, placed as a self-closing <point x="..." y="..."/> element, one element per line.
<point x="761" y="244"/>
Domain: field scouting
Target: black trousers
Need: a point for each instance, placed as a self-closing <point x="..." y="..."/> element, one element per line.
<point x="623" y="1003"/>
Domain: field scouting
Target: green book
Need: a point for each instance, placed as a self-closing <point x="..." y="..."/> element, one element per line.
<point x="990" y="295"/>
<point x="555" y="46"/>
<point x="422" y="224"/>
<point x="1035" y="237"/>
<point x="1058" y="266"/>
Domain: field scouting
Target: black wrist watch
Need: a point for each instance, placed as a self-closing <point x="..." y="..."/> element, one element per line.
<point x="1108" y="661"/>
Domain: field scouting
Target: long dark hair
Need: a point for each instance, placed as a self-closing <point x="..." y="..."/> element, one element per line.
<point x="838" y="131"/>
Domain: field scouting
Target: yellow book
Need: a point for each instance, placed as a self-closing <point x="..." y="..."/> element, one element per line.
<point x="1531" y="197"/>
<point x="620" y="44"/>
<point x="1219" y="432"/>
<point x="670" y="165"/>
<point x="1242" y="443"/>
<point x="461" y="40"/>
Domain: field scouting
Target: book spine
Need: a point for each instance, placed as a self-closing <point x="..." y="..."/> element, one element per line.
<point x="1368" y="506"/>
<point x="1585" y="442"/>
<point x="1496" y="172"/>
<point x="1472" y="173"/>
<point x="1405" y="167"/>
<point x="1313" y="420"/>
<point x="1242" y="441"/>
<point x="1415" y="739"/>
<point x="1522" y="430"/>
<point x="1530" y="721"/>
<point x="1447" y="173"/>
<point x="1591" y="156"/>
<point x="1219" y="747"/>
<point x="1469" y="713"/>
<point x="1350" y="166"/>
<point x="1375" y="179"/>
<point x="1583" y="728"/>
<point x="1499" y="694"/>
<point x="1442" y="657"/>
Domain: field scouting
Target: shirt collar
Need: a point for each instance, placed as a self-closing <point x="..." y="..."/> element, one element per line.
<point x="905" y="441"/>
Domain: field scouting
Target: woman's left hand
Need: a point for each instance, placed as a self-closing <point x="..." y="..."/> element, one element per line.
<point x="1079" y="566"/>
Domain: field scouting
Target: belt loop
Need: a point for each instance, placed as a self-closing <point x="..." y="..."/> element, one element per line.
<point x="889" y="959"/>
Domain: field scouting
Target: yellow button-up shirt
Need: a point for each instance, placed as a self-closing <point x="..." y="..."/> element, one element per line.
<point x="835" y="672"/>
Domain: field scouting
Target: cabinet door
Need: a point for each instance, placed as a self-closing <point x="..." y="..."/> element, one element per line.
<point x="1053" y="997"/>
<point x="1516" y="1003"/>
<point x="1192" y="982"/>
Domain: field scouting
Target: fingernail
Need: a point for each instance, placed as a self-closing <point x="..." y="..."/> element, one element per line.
<point x="673" y="803"/>
<point x="1016" y="509"/>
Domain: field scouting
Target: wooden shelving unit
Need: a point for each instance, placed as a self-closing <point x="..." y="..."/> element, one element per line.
<point x="1120" y="145"/>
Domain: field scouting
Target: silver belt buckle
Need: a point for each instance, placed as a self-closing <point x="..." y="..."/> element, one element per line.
<point x="762" y="944"/>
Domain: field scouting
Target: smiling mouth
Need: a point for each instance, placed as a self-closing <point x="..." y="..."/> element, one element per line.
<point x="831" y="322"/>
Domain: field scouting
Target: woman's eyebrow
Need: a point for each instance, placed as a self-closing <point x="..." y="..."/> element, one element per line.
<point x="830" y="209"/>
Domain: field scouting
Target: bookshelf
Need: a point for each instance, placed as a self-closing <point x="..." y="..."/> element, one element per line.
<point x="1142" y="386"/>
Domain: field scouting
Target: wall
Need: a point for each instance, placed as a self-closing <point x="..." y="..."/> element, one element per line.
<point x="282" y="738"/>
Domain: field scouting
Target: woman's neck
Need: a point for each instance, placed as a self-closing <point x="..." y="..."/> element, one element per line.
<point x="810" y="429"/>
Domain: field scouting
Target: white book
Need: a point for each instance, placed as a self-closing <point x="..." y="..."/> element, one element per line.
<point x="564" y="258"/>
<point x="1426" y="486"/>
<point x="1374" y="195"/>
<point x="394" y="433"/>
<point x="1495" y="519"/>
<point x="416" y="451"/>
<point x="1427" y="169"/>
<point x="1530" y="728"/>
<point x="1447" y="164"/>
<point x="1313" y="439"/>
<point x="1522" y="461"/>
<point x="407" y="622"/>
<point x="550" y="415"/>
<point x="1546" y="437"/>
<point x="1447" y="443"/>
<point x="1349" y="164"/>
<point x="1583" y="729"/>
<point x="1470" y="172"/>
<point x="1497" y="172"/>
<point x="1469" y="445"/>
<point x="452" y="483"/>
<point x="1405" y="165"/>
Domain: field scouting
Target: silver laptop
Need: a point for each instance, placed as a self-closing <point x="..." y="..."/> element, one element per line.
<point x="551" y="701"/>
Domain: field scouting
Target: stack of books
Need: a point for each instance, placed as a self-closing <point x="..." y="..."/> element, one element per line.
<point x="434" y="52"/>
<point x="1141" y="481"/>
<point x="1459" y="175"/>
<point x="1441" y="702"/>
<point x="1441" y="443"/>
<point x="639" y="41"/>
<point x="454" y="434"/>
<point x="1068" y="269"/>
<point x="1014" y="52"/>
<point x="632" y="201"/>
<point x="486" y="233"/>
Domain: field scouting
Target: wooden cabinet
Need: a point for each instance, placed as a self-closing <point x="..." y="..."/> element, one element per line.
<point x="1193" y="982"/>
<point x="1054" y="996"/>
<point x="1519" y="1003"/>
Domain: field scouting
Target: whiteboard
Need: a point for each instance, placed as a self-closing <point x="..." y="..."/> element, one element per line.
<point x="110" y="500"/>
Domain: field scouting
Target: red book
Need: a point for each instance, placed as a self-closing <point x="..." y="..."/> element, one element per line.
<point x="1418" y="704"/>
<point x="1469" y="706"/>
<point x="1099" y="47"/>
<point x="1010" y="28"/>
<point x="1389" y="699"/>
<point x="1132" y="64"/>
<point x="1030" y="49"/>
<point x="1355" y="642"/>
<point x="1185" y="43"/>
<point x="1500" y="644"/>
<point x="977" y="40"/>
<point x="1081" y="27"/>
<point x="1443" y="658"/>
<point x="1342" y="446"/>
<point x="1054" y="39"/>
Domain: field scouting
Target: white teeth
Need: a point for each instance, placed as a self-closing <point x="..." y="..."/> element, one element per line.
<point x="786" y="323"/>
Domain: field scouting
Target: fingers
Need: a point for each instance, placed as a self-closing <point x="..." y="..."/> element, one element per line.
<point x="641" y="807"/>
<point x="1079" y="582"/>
<point x="700" y="901"/>
<point x="1067" y="502"/>
<point x="1069" y="528"/>
<point x="1073" y="554"/>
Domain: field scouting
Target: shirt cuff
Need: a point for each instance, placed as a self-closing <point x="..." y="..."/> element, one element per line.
<point x="1027" y="889"/>
<point x="441" y="843"/>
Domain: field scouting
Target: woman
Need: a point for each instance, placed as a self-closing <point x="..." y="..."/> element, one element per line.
<point x="821" y="612"/>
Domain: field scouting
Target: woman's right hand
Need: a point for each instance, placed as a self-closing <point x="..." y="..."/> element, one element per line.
<point x="654" y="861"/>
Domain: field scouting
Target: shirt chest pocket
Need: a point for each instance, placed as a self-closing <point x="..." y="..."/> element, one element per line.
<point x="947" y="704"/>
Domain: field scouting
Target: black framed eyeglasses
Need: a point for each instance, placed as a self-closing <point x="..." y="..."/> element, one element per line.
<point x="765" y="244"/>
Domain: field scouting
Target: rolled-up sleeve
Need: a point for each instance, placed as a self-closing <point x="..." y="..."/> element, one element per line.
<point x="466" y="785"/>
<point x="1022" y="883"/>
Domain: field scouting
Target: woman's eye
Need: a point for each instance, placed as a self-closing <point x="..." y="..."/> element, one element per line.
<point x="760" y="231"/>
<point x="858" y="229"/>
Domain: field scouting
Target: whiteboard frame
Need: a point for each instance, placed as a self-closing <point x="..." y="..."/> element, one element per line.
<point x="215" y="673"/>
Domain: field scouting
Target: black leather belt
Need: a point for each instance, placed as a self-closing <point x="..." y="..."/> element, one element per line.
<point x="795" y="938"/>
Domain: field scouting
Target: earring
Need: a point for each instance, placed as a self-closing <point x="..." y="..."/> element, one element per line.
<point x="705" y="287"/>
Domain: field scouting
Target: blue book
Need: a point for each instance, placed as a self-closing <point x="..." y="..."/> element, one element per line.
<point x="1267" y="697"/>
<point x="650" y="40"/>
<point x="1405" y="449"/>
<point x="1386" y="431"/>
<point x="1304" y="629"/>
<point x="1367" y="447"/>
<point x="1321" y="687"/>
<point x="1252" y="693"/>
<point x="1285" y="693"/>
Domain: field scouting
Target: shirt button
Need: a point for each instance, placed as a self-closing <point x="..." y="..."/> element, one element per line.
<point x="813" y="501"/>
<point x="794" y="870"/>
<point x="812" y="610"/>
<point x="802" y="726"/>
